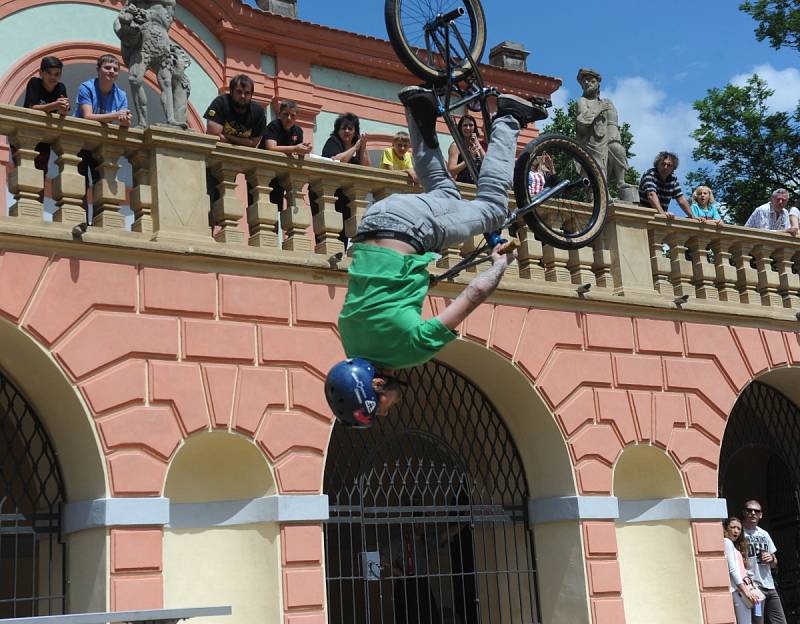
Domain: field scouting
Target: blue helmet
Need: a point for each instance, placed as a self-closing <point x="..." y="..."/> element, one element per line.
<point x="349" y="392"/>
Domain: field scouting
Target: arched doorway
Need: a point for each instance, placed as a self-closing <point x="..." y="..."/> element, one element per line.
<point x="32" y="556"/>
<point x="429" y="513"/>
<point x="759" y="459"/>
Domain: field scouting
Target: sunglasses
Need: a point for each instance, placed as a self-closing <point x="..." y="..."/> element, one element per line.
<point x="752" y="511"/>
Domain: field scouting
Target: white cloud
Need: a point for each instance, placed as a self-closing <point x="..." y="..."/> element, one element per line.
<point x="657" y="122"/>
<point x="560" y="98"/>
<point x="785" y="83"/>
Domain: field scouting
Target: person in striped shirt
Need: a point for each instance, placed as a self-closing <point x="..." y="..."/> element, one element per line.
<point x="660" y="184"/>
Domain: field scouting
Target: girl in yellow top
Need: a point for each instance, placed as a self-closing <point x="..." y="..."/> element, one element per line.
<point x="397" y="157"/>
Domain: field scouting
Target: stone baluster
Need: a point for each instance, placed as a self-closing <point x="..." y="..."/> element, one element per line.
<point x="262" y="214"/>
<point x="25" y="181"/>
<point x="555" y="264"/>
<point x="768" y="281"/>
<point x="327" y="222"/>
<point x="228" y="210"/>
<point x="788" y="280"/>
<point x="108" y="193"/>
<point x="69" y="188"/>
<point x="724" y="271"/>
<point x="142" y="192"/>
<point x="660" y="264"/>
<point x="513" y="268"/>
<point x="297" y="216"/>
<point x="680" y="275"/>
<point x="529" y="256"/>
<point x="602" y="263"/>
<point x="746" y="275"/>
<point x="580" y="266"/>
<point x="450" y="256"/>
<point x="703" y="272"/>
<point x="470" y="245"/>
<point x="358" y="194"/>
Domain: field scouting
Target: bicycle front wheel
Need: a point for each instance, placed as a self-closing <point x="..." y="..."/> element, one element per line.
<point x="575" y="214"/>
<point x="425" y="47"/>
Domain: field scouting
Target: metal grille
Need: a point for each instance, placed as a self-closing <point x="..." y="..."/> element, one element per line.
<point x="31" y="492"/>
<point x="428" y="516"/>
<point x="764" y="418"/>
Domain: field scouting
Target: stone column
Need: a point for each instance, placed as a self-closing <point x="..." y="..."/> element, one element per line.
<point x="25" y="181"/>
<point x="177" y="176"/>
<point x="69" y="188"/>
<point x="108" y="193"/>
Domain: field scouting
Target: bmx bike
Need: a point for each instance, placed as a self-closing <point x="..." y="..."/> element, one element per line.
<point x="560" y="190"/>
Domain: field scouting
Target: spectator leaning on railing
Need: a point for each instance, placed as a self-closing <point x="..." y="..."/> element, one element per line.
<point x="234" y="118"/>
<point x="100" y="99"/>
<point x="47" y="93"/>
<point x="397" y="156"/>
<point x="285" y="136"/>
<point x="704" y="207"/>
<point x="774" y="216"/>
<point x="659" y="185"/>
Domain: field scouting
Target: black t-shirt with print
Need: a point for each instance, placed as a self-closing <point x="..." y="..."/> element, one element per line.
<point x="282" y="136"/>
<point x="36" y="94"/>
<point x="248" y="123"/>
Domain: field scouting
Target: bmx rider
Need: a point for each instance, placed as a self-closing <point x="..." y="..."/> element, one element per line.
<point x="380" y="323"/>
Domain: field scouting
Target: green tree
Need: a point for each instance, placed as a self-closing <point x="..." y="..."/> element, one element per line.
<point x="778" y="21"/>
<point x="562" y="121"/>
<point x="753" y="150"/>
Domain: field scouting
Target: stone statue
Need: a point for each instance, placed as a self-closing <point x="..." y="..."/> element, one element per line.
<point x="143" y="29"/>
<point x="597" y="129"/>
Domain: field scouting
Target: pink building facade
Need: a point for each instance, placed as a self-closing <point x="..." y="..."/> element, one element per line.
<point x="172" y="375"/>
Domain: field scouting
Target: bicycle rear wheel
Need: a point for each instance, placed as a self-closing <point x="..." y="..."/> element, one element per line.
<point x="574" y="216"/>
<point x="421" y="46"/>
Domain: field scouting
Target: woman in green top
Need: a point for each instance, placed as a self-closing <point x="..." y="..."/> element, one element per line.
<point x="380" y="324"/>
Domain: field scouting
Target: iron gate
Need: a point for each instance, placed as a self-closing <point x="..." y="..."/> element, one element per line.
<point x="32" y="561"/>
<point x="428" y="513"/>
<point x="765" y="418"/>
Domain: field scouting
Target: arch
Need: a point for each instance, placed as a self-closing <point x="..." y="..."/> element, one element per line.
<point x="218" y="466"/>
<point x="61" y="410"/>
<point x="545" y="456"/>
<point x="216" y="470"/>
<point x="31" y="495"/>
<point x="656" y="558"/>
<point x="646" y="472"/>
<point x="759" y="460"/>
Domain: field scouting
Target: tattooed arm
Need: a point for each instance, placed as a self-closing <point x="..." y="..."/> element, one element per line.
<point x="476" y="292"/>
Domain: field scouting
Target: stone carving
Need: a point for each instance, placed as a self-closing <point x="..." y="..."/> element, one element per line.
<point x="597" y="129"/>
<point x="143" y="29"/>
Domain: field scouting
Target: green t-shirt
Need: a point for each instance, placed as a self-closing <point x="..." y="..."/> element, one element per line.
<point x="380" y="320"/>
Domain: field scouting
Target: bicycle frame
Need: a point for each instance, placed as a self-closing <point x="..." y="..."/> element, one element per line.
<point x="444" y="94"/>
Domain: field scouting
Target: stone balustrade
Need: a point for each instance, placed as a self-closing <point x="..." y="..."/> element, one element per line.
<point x="640" y="259"/>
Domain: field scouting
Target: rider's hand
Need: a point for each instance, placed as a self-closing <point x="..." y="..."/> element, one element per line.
<point x="498" y="255"/>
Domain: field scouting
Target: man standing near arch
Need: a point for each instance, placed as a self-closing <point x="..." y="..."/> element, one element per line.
<point x="761" y="559"/>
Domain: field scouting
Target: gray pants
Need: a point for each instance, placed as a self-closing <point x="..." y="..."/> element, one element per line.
<point x="439" y="218"/>
<point x="773" y="610"/>
<point x="744" y="614"/>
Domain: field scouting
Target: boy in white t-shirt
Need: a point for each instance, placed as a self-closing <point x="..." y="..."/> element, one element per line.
<point x="761" y="559"/>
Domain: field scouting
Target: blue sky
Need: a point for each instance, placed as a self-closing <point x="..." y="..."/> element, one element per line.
<point x="656" y="59"/>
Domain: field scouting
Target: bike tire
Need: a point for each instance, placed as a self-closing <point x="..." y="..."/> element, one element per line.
<point x="574" y="216"/>
<point x="405" y="21"/>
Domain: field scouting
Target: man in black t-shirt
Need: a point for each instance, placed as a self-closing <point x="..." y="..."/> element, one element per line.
<point x="234" y="118"/>
<point x="47" y="93"/>
<point x="285" y="136"/>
